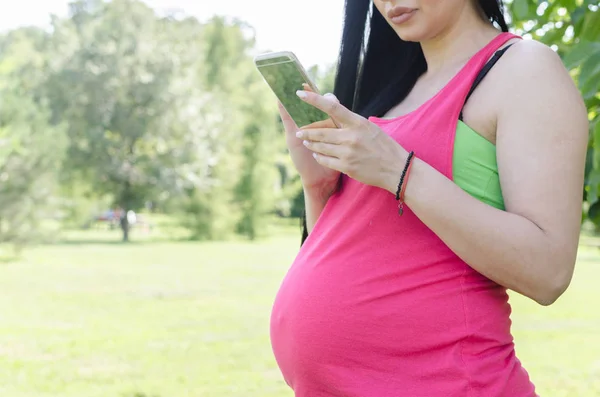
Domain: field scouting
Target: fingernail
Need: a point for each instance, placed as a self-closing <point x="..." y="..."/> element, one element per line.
<point x="299" y="134"/>
<point x="315" y="155"/>
<point x="301" y="94"/>
<point x="306" y="143"/>
<point x="329" y="95"/>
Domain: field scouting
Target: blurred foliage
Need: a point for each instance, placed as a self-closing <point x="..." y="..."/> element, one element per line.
<point x="139" y="121"/>
<point x="31" y="149"/>
<point x="125" y="108"/>
<point x="117" y="106"/>
<point x="158" y="110"/>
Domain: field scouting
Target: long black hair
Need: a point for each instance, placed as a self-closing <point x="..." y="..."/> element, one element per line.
<point x="376" y="69"/>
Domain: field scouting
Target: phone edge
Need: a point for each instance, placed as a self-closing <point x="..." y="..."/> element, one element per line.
<point x="299" y="66"/>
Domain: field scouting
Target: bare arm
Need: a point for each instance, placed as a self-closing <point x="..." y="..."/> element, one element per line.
<point x="542" y="133"/>
<point x="315" y="200"/>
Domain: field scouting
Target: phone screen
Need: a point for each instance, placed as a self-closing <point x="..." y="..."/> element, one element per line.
<point x="284" y="78"/>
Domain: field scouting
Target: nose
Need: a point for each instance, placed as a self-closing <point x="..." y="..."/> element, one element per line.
<point x="384" y="3"/>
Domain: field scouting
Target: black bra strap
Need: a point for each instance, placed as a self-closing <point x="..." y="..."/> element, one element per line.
<point x="484" y="71"/>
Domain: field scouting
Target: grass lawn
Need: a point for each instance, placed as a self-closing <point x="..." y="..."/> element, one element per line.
<point x="160" y="319"/>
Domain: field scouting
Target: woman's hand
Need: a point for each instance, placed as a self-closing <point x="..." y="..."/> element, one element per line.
<point x="359" y="148"/>
<point x="315" y="177"/>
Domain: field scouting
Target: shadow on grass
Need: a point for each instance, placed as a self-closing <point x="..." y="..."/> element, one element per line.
<point x="117" y="242"/>
<point x="103" y="242"/>
<point x="6" y="259"/>
<point x="144" y="395"/>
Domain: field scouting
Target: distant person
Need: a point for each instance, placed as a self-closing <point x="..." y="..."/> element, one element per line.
<point x="131" y="217"/>
<point x="462" y="165"/>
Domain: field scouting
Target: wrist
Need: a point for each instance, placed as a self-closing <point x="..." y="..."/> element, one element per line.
<point x="394" y="171"/>
<point x="413" y="181"/>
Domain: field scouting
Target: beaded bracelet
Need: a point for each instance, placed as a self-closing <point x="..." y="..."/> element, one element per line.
<point x="403" y="182"/>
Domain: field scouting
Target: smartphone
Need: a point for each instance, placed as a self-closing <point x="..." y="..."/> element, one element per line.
<point x="285" y="75"/>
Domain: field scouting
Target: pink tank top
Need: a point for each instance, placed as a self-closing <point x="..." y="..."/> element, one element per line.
<point x="376" y="305"/>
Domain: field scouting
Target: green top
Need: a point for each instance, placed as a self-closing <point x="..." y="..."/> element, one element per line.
<point x="474" y="166"/>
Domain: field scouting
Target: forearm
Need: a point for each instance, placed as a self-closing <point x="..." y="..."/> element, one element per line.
<point x="507" y="248"/>
<point x="314" y="202"/>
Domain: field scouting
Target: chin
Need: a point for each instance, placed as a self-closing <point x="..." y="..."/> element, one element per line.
<point x="417" y="33"/>
<point x="411" y="34"/>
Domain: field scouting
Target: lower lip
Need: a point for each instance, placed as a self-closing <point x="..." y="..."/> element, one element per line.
<point x="403" y="18"/>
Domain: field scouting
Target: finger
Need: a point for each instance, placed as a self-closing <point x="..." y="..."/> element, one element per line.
<point x="307" y="87"/>
<point x="329" y="95"/>
<point x="320" y="124"/>
<point x="328" y="123"/>
<point x="288" y="123"/>
<point x="330" y="106"/>
<point x="327" y="149"/>
<point x="325" y="135"/>
<point x="332" y="97"/>
<point x="329" y="162"/>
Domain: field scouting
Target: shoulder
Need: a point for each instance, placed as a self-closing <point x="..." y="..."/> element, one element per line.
<point x="532" y="68"/>
<point x="529" y="83"/>
<point x="532" y="53"/>
<point x="530" y="62"/>
<point x="530" y="65"/>
<point x="533" y="81"/>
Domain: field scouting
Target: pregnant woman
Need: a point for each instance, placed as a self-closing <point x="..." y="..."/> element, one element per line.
<point x="456" y="175"/>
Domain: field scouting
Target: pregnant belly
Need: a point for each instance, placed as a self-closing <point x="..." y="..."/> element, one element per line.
<point x="334" y="327"/>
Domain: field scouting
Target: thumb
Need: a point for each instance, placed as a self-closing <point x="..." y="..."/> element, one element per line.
<point x="288" y="123"/>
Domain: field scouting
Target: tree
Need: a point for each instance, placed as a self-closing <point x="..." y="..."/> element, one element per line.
<point x="31" y="148"/>
<point x="256" y="187"/>
<point x="244" y="174"/>
<point x="30" y="154"/>
<point x="139" y="124"/>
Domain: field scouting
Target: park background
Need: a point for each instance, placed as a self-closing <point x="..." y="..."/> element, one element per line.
<point x="156" y="108"/>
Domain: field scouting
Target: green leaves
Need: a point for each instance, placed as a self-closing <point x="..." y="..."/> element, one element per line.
<point x="585" y="58"/>
<point x="520" y="9"/>
<point x="591" y="27"/>
<point x="31" y="149"/>
<point x="579" y="53"/>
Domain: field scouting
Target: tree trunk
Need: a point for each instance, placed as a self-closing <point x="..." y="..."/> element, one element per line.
<point x="125" y="207"/>
<point x="125" y="227"/>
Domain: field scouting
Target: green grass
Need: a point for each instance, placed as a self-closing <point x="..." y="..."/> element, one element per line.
<point x="160" y="319"/>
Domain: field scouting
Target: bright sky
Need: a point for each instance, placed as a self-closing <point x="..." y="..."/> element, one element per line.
<point x="309" y="28"/>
